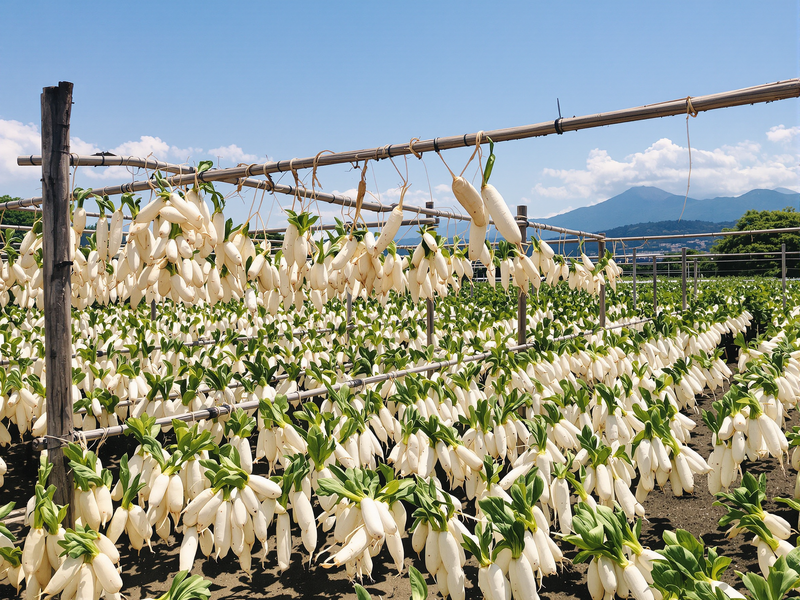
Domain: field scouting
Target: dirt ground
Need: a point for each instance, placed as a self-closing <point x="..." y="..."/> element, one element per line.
<point x="148" y="575"/>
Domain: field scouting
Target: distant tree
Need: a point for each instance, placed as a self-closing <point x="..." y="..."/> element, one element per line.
<point x="16" y="217"/>
<point x="769" y="242"/>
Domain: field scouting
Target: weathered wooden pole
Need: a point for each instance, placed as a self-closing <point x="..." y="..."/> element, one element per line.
<point x="349" y="314"/>
<point x="57" y="288"/>
<point x="783" y="274"/>
<point x="695" y="278"/>
<point x="429" y="305"/>
<point x="683" y="278"/>
<point x="601" y="251"/>
<point x="522" y="298"/>
<point x="655" y="287"/>
<point x="634" y="278"/>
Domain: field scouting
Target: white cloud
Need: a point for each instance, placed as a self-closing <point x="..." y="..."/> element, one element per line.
<point x="729" y="170"/>
<point x="781" y="135"/>
<point x="18" y="139"/>
<point x="232" y="153"/>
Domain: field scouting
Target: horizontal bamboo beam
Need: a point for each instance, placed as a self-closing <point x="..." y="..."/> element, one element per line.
<point x="110" y="160"/>
<point x="34" y="205"/>
<point x="406" y="223"/>
<point x="535" y="225"/>
<point x="770" y="92"/>
<point x="763" y="93"/>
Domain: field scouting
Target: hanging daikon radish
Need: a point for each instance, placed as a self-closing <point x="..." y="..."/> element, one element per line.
<point x="79" y="195"/>
<point x="471" y="200"/>
<point x="101" y="232"/>
<point x="392" y="225"/>
<point x="504" y="221"/>
<point x="477" y="237"/>
<point x="467" y="195"/>
<point x="296" y="244"/>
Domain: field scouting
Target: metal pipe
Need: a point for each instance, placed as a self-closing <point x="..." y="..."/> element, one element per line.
<point x="695" y="278"/>
<point x="685" y="236"/>
<point x="601" y="250"/>
<point x="683" y="278"/>
<point x="655" y="287"/>
<point x="634" y="278"/>
<point x="783" y="274"/>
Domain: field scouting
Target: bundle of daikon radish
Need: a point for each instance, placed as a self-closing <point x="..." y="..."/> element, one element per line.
<point x="178" y="248"/>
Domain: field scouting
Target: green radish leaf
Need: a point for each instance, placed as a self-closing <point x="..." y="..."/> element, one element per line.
<point x="487" y="170"/>
<point x="361" y="593"/>
<point x="419" y="589"/>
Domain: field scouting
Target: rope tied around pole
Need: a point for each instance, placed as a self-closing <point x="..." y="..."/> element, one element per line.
<point x="61" y="441"/>
<point x="411" y="148"/>
<point x="362" y="190"/>
<point x="477" y="150"/>
<point x="690" y="112"/>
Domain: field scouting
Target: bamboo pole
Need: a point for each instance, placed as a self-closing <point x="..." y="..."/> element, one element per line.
<point x="564" y="230"/>
<point x="406" y="223"/>
<point x="57" y="288"/>
<point x="770" y="92"/>
<point x="105" y="159"/>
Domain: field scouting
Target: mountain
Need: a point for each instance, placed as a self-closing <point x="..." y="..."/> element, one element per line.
<point x="656" y="228"/>
<point x="784" y="190"/>
<point x="651" y="204"/>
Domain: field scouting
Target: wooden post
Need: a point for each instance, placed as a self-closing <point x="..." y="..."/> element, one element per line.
<point x="601" y="250"/>
<point x="57" y="288"/>
<point x="349" y="314"/>
<point x="429" y="305"/>
<point x="655" y="287"/>
<point x="522" y="298"/>
<point x="429" y="320"/>
<point x="683" y="278"/>
<point x="783" y="274"/>
<point x="152" y="310"/>
<point x="695" y="278"/>
<point x="634" y="278"/>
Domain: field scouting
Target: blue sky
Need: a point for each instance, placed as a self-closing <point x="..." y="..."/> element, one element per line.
<point x="242" y="81"/>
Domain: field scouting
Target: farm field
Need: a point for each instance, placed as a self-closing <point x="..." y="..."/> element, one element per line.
<point x="288" y="311"/>
<point x="524" y="392"/>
